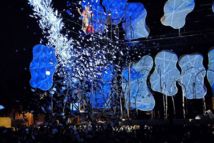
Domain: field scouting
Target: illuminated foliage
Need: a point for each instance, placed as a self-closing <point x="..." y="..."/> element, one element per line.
<point x="166" y="74"/>
<point x="43" y="67"/>
<point x="210" y="71"/>
<point x="135" y="21"/>
<point x="192" y="76"/>
<point x="140" y="95"/>
<point x="175" y="12"/>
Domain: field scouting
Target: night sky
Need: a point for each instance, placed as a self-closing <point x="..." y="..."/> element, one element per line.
<point x="18" y="35"/>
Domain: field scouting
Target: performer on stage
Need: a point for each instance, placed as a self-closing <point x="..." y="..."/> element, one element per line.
<point x="86" y="19"/>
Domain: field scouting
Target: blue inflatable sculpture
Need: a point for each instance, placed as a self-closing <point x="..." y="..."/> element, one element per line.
<point x="175" y="12"/>
<point x="210" y="71"/>
<point x="135" y="21"/>
<point x="166" y="73"/>
<point x="136" y="86"/>
<point x="43" y="67"/>
<point x="134" y="75"/>
<point x="192" y="76"/>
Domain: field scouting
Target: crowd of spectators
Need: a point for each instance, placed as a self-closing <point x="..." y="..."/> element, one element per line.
<point x="109" y="133"/>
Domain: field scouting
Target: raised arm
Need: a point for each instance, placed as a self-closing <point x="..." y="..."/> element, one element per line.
<point x="79" y="11"/>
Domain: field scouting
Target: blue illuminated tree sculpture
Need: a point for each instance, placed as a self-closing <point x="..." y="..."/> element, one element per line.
<point x="135" y="21"/>
<point x="140" y="95"/>
<point x="166" y="74"/>
<point x="43" y="67"/>
<point x="210" y="71"/>
<point x="192" y="76"/>
<point x="175" y="12"/>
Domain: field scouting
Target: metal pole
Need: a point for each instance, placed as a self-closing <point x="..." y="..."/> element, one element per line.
<point x="204" y="105"/>
<point x="166" y="108"/>
<point x="164" y="105"/>
<point x="92" y="90"/>
<point x="52" y="104"/>
<point x="173" y="104"/>
<point x="213" y="102"/>
<point x="183" y="106"/>
<point x="121" y="107"/>
<point x="111" y="29"/>
<point x="129" y="93"/>
<point x="179" y="32"/>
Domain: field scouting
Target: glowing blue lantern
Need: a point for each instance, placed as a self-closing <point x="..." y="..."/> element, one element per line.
<point x="135" y="21"/>
<point x="140" y="96"/>
<point x="166" y="74"/>
<point x="43" y="67"/>
<point x="192" y="76"/>
<point x="175" y="12"/>
<point x="210" y="71"/>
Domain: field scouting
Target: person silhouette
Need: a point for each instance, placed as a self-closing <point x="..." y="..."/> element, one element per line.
<point x="86" y="19"/>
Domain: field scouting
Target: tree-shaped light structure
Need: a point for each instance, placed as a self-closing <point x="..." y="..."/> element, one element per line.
<point x="135" y="21"/>
<point x="43" y="67"/>
<point x="175" y="12"/>
<point x="192" y="76"/>
<point x="140" y="96"/>
<point x="210" y="71"/>
<point x="166" y="74"/>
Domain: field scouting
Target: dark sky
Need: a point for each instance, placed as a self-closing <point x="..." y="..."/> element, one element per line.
<point x="19" y="33"/>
